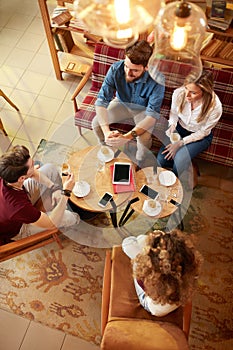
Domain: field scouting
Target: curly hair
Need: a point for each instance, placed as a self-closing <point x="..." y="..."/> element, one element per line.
<point x="168" y="267"/>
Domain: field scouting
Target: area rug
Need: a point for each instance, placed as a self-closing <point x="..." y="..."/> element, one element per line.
<point x="210" y="221"/>
<point x="62" y="288"/>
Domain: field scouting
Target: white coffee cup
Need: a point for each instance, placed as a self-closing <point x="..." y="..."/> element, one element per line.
<point x="65" y="169"/>
<point x="150" y="205"/>
<point x="105" y="151"/>
<point x="174" y="137"/>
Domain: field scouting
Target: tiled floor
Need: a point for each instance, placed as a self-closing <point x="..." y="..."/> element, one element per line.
<point x="28" y="79"/>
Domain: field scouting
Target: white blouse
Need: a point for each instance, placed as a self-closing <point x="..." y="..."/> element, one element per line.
<point x="132" y="246"/>
<point x="188" y="117"/>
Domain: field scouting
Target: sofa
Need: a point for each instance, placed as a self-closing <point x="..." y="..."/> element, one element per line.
<point x="125" y="325"/>
<point x="221" y="149"/>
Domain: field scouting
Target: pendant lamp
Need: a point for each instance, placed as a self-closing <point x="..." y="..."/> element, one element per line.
<point x="119" y="22"/>
<point x="179" y="32"/>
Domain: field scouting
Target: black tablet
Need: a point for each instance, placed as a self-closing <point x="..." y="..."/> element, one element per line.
<point x="121" y="173"/>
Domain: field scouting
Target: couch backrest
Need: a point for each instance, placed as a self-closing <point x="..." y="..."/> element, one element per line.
<point x="104" y="57"/>
<point x="223" y="87"/>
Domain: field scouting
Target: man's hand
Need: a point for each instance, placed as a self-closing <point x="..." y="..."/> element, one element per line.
<point x="56" y="196"/>
<point x="117" y="140"/>
<point x="171" y="149"/>
<point x="110" y="134"/>
<point x="69" y="182"/>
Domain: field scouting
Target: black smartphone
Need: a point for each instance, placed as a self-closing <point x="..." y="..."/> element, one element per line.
<point x="148" y="191"/>
<point x="105" y="199"/>
<point x="172" y="201"/>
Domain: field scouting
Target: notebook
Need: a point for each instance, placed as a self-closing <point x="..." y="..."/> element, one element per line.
<point x="124" y="188"/>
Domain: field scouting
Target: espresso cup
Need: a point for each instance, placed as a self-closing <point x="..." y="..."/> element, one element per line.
<point x="65" y="169"/>
<point x="150" y="205"/>
<point x="174" y="137"/>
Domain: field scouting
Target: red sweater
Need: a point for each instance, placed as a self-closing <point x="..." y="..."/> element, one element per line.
<point x="15" y="209"/>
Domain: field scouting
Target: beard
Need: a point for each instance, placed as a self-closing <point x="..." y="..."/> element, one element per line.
<point x="133" y="79"/>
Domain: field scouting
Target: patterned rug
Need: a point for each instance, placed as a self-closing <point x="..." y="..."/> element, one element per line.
<point x="210" y="221"/>
<point x="62" y="288"/>
<point x="59" y="288"/>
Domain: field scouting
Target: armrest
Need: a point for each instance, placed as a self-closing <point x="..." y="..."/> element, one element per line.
<point x="80" y="86"/>
<point x="10" y="250"/>
<point x="187" y="313"/>
<point x="106" y="291"/>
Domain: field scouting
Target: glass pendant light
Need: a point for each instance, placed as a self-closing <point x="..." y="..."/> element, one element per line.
<point x="179" y="33"/>
<point x="119" y="22"/>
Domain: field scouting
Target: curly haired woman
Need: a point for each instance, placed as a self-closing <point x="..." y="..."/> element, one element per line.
<point x="165" y="269"/>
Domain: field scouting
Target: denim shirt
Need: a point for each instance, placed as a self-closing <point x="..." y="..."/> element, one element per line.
<point x="143" y="94"/>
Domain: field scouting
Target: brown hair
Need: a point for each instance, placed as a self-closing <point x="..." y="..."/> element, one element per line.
<point x="13" y="163"/>
<point x="168" y="267"/>
<point x="205" y="83"/>
<point x="139" y="53"/>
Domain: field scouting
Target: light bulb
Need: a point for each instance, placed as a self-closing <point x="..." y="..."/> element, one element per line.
<point x="179" y="38"/>
<point x="122" y="17"/>
<point x="119" y="22"/>
<point x="179" y="33"/>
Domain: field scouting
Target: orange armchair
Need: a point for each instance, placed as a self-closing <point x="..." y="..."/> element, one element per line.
<point x="125" y="323"/>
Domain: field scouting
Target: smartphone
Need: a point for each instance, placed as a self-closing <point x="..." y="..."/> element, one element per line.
<point x="121" y="173"/>
<point x="105" y="199"/>
<point x="172" y="201"/>
<point x="148" y="191"/>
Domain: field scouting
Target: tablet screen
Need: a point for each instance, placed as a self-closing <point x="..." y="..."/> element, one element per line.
<point x="121" y="173"/>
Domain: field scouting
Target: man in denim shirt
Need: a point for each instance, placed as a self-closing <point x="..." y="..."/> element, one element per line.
<point x="138" y="97"/>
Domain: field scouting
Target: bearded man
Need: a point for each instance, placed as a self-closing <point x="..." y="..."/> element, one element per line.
<point x="129" y="93"/>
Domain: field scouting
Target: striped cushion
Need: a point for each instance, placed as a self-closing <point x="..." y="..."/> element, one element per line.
<point x="221" y="149"/>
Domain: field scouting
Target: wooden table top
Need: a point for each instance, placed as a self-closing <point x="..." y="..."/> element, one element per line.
<point x="83" y="164"/>
<point x="174" y="192"/>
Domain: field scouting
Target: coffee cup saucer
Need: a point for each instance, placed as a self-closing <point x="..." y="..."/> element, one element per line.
<point x="81" y="189"/>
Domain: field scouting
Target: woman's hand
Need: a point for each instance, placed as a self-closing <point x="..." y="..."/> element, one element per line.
<point x="171" y="149"/>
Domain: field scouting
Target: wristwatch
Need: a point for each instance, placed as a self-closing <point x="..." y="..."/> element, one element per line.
<point x="66" y="193"/>
<point x="134" y="134"/>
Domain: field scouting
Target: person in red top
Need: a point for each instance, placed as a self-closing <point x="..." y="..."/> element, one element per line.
<point x="21" y="186"/>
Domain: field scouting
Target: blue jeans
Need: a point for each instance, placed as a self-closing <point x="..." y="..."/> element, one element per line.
<point x="185" y="154"/>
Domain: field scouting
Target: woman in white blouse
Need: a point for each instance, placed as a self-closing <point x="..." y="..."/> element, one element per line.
<point x="195" y="110"/>
<point x="165" y="269"/>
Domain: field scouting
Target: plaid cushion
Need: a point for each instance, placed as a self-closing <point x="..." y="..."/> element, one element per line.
<point x="221" y="149"/>
<point x="104" y="57"/>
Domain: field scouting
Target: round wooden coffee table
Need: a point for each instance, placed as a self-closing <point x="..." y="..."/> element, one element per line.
<point x="174" y="192"/>
<point x="83" y="164"/>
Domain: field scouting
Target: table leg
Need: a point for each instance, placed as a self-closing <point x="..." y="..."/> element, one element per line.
<point x="113" y="213"/>
<point x="122" y="221"/>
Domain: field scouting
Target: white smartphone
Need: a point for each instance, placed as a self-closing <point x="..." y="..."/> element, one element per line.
<point x="105" y="199"/>
<point x="149" y="192"/>
<point x="121" y="173"/>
